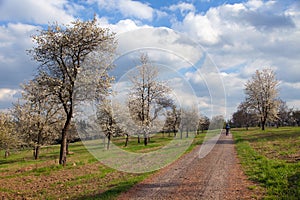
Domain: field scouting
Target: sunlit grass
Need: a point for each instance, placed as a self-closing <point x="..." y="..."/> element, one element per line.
<point x="271" y="158"/>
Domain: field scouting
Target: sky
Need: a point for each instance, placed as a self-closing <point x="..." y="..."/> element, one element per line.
<point x="206" y="49"/>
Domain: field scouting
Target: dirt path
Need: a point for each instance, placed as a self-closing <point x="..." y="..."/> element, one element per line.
<point x="217" y="176"/>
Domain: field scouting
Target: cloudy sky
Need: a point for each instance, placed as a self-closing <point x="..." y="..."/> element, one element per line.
<point x="226" y="41"/>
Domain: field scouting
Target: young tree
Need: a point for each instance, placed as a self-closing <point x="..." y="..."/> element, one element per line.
<point x="148" y="96"/>
<point x="107" y="120"/>
<point x="262" y="94"/>
<point x="172" y="121"/>
<point x="65" y="53"/>
<point x="8" y="136"/>
<point x="217" y="122"/>
<point x="203" y="123"/>
<point x="125" y="123"/>
<point x="284" y="114"/>
<point x="189" y="120"/>
<point x="39" y="119"/>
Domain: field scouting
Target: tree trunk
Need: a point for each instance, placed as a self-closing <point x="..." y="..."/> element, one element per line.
<point x="126" y="140"/>
<point x="263" y="123"/>
<point x="64" y="136"/>
<point x="36" y="152"/>
<point x="139" y="140"/>
<point x="145" y="138"/>
<point x="108" y="140"/>
<point x="7" y="153"/>
<point x="67" y="147"/>
<point x="63" y="149"/>
<point x="187" y="134"/>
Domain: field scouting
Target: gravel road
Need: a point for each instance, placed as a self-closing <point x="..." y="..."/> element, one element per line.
<point x="216" y="176"/>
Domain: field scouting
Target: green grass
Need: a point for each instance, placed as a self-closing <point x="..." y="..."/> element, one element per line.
<point x="48" y="180"/>
<point x="156" y="141"/>
<point x="271" y="158"/>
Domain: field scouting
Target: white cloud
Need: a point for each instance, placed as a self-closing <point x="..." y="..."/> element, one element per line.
<point x="162" y="39"/>
<point x="135" y="9"/>
<point x="8" y="95"/>
<point x="127" y="8"/>
<point x="244" y="37"/>
<point x="254" y="4"/>
<point x="183" y="7"/>
<point x="199" y="27"/>
<point x="125" y="25"/>
<point x="40" y="12"/>
<point x="174" y="54"/>
<point x="15" y="65"/>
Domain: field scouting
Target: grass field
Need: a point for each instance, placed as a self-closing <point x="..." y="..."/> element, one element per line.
<point x="83" y="177"/>
<point x="272" y="159"/>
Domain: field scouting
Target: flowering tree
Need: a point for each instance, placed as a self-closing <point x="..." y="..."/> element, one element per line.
<point x="39" y="118"/>
<point x="189" y="120"/>
<point x="79" y="51"/>
<point x="148" y="96"/>
<point x="8" y="136"/>
<point x="262" y="95"/>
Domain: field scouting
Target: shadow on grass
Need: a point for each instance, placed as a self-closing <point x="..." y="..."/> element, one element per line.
<point x="270" y="135"/>
<point x="112" y="193"/>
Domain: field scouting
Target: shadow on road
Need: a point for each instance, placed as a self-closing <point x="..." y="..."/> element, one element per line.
<point x="225" y="141"/>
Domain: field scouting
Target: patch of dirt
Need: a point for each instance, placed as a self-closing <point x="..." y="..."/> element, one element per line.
<point x="216" y="176"/>
<point x="61" y="184"/>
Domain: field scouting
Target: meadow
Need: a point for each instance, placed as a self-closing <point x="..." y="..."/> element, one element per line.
<point x="84" y="177"/>
<point x="271" y="158"/>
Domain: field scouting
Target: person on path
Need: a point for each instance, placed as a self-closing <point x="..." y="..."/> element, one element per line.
<point x="227" y="129"/>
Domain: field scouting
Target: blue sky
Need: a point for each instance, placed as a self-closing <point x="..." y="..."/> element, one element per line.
<point x="238" y="37"/>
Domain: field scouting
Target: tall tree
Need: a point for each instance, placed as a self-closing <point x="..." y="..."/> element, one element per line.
<point x="148" y="96"/>
<point x="39" y="118"/>
<point x="67" y="52"/>
<point x="262" y="95"/>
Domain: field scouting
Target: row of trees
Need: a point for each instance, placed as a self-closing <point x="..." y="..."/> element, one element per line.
<point x="74" y="63"/>
<point x="150" y="109"/>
